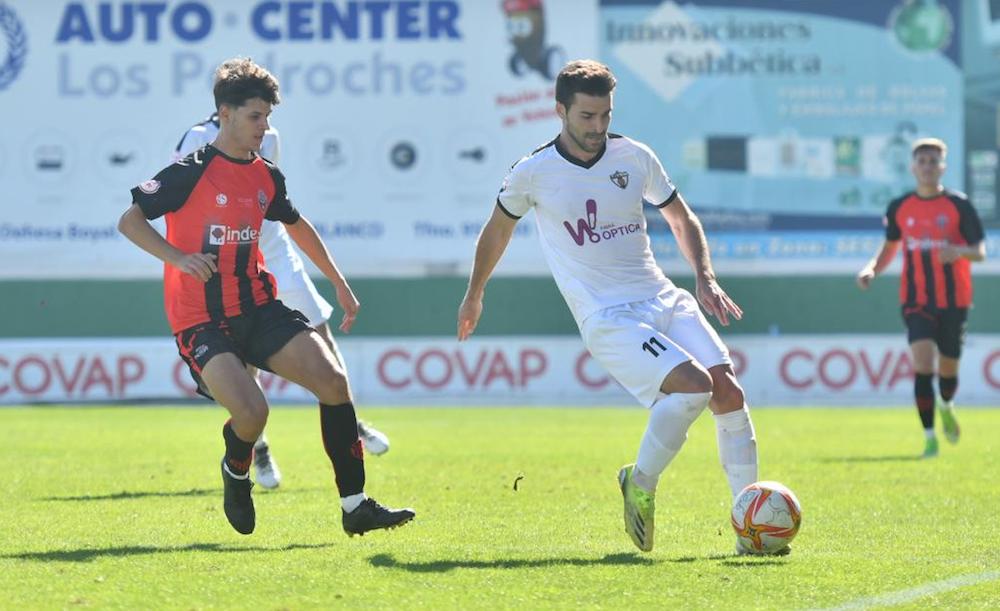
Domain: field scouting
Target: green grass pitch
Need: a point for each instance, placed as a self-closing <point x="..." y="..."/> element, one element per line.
<point x="121" y="508"/>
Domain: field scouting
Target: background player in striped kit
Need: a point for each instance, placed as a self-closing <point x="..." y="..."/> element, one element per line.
<point x="221" y="300"/>
<point x="941" y="234"/>
<point x="295" y="289"/>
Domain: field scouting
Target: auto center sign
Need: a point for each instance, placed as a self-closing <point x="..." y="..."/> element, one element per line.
<point x="797" y="370"/>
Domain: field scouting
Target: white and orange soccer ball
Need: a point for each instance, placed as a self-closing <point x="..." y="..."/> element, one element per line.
<point x="766" y="517"/>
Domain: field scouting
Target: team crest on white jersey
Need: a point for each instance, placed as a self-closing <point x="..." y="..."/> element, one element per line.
<point x="620" y="178"/>
<point x="149" y="187"/>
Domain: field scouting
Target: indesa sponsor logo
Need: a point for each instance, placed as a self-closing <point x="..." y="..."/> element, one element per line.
<point x="586" y="229"/>
<point x="219" y="235"/>
<point x="924" y="244"/>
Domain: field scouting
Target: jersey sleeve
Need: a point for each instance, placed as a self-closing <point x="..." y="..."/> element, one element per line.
<point x="969" y="224"/>
<point x="657" y="189"/>
<point x="168" y="190"/>
<point x="281" y="208"/>
<point x="892" y="231"/>
<point x="514" y="198"/>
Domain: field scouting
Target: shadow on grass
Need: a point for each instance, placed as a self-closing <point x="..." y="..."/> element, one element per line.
<point x="734" y="560"/>
<point x="89" y="554"/>
<point x="753" y="562"/>
<point x="443" y="566"/>
<point x="687" y="559"/>
<point x="896" y="458"/>
<point x="145" y="494"/>
<point x="125" y="494"/>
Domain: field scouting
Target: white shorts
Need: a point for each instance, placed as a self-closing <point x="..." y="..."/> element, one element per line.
<point x="306" y="299"/>
<point x="295" y="289"/>
<point x="639" y="343"/>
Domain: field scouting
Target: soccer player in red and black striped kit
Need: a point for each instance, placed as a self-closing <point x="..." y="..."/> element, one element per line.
<point x="220" y="298"/>
<point x="941" y="235"/>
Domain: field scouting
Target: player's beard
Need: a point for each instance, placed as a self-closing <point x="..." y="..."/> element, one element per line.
<point x="583" y="143"/>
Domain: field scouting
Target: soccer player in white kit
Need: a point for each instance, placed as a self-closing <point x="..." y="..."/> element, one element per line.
<point x="587" y="188"/>
<point x="295" y="289"/>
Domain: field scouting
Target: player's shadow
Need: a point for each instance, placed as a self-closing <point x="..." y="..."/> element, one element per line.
<point x="869" y="459"/>
<point x="126" y="494"/>
<point x="734" y="560"/>
<point x="753" y="562"/>
<point x="443" y="566"/>
<point x="145" y="494"/>
<point x="89" y="554"/>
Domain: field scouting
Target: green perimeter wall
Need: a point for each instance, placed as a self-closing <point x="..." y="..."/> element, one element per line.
<point x="522" y="306"/>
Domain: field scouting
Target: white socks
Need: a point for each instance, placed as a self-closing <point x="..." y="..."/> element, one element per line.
<point x="350" y="503"/>
<point x="669" y="420"/>
<point x="737" y="448"/>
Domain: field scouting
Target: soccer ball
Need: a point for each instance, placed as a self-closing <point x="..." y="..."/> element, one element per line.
<point x="766" y="517"/>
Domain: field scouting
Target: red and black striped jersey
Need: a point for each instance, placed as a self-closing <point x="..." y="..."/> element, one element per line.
<point x="215" y="204"/>
<point x="925" y="225"/>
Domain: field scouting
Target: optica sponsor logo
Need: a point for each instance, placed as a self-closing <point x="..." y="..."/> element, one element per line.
<point x="586" y="228"/>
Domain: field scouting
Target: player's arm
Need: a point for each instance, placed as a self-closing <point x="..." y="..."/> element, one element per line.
<point x="971" y="229"/>
<point x="490" y="246"/>
<point x="690" y="237"/>
<point x="134" y="226"/>
<point x="307" y="239"/>
<point x="972" y="252"/>
<point x="879" y="262"/>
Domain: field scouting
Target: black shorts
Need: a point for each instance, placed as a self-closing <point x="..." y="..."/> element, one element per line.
<point x="253" y="337"/>
<point x="946" y="327"/>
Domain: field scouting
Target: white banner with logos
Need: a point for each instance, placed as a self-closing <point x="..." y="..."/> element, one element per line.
<point x="398" y="122"/>
<point x="857" y="370"/>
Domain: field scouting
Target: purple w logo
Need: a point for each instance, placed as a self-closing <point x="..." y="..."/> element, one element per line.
<point x="585" y="226"/>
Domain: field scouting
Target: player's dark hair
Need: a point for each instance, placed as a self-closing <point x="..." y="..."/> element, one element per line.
<point x="583" y="76"/>
<point x="240" y="79"/>
<point x="930" y="144"/>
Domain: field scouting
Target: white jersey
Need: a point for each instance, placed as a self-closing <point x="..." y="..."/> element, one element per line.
<point x="591" y="222"/>
<point x="295" y="288"/>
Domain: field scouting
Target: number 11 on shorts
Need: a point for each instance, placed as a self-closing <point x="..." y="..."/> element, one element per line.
<point x="648" y="346"/>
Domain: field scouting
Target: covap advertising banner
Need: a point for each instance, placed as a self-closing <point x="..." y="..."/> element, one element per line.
<point x="858" y="370"/>
<point x="398" y="119"/>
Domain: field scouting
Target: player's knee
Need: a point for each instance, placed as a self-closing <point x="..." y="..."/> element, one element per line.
<point x="333" y="388"/>
<point x="258" y="411"/>
<point x="728" y="395"/>
<point x="688" y="377"/>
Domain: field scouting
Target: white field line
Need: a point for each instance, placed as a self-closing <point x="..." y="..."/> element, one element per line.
<point x="904" y="596"/>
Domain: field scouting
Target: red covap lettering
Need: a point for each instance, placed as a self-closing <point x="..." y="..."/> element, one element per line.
<point x="838" y="369"/>
<point x="35" y="375"/>
<point x="434" y="369"/>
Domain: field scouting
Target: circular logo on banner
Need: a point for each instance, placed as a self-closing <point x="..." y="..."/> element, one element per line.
<point x="16" y="40"/>
<point x="922" y="26"/>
